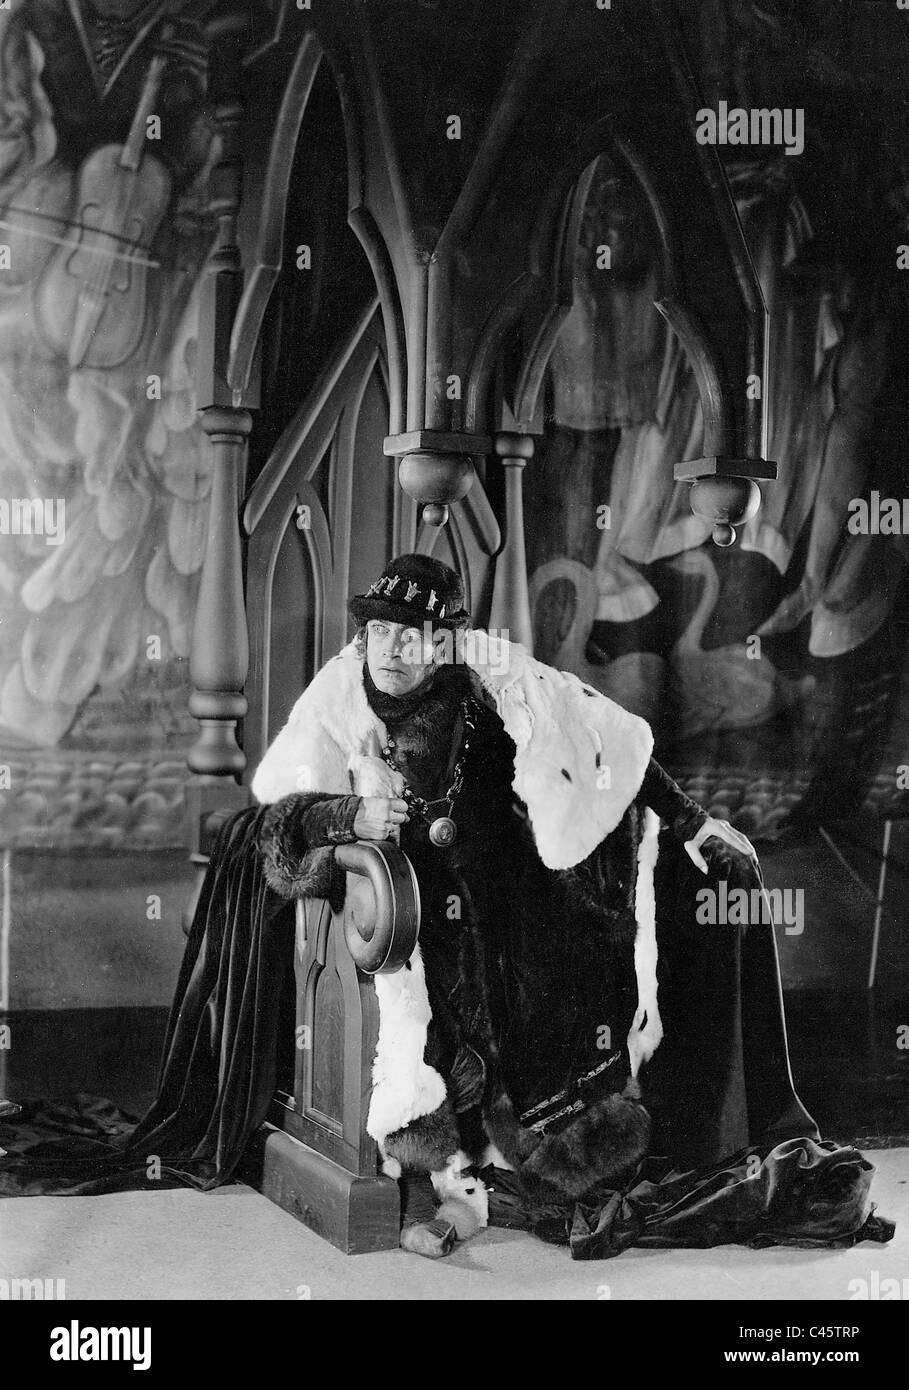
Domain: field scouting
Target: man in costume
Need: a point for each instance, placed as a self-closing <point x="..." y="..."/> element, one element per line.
<point x="528" y="804"/>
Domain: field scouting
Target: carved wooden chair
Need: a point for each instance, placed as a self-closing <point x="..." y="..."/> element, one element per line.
<point x="314" y="1157"/>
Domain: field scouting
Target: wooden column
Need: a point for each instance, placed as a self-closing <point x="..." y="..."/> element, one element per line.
<point x="220" y="648"/>
<point x="510" y="606"/>
<point x="219" y="657"/>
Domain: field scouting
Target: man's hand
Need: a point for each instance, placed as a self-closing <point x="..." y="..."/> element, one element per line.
<point x="379" y="817"/>
<point x="723" y="831"/>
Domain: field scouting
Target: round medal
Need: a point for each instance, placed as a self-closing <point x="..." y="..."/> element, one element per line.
<point x="443" y="832"/>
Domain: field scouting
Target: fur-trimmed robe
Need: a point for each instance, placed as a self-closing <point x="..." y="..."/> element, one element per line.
<point x="551" y="960"/>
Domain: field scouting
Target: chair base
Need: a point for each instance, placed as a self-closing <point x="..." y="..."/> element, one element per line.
<point x="358" y="1215"/>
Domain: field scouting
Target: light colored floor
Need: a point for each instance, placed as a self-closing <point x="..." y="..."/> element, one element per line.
<point x="234" y="1244"/>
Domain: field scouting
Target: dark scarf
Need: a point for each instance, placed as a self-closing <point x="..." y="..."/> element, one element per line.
<point x="422" y="724"/>
<point x="391" y="709"/>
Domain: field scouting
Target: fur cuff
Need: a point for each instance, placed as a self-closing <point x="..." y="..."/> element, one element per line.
<point x="293" y="868"/>
<point x="316" y="875"/>
<point x="427" y="1144"/>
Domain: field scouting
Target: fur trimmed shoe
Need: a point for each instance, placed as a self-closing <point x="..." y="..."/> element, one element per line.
<point x="432" y="1239"/>
<point x="463" y="1209"/>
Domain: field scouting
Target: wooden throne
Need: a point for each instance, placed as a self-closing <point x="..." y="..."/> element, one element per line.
<point x="314" y="1157"/>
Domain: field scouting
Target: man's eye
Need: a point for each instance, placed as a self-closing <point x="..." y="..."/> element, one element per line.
<point x="411" y="635"/>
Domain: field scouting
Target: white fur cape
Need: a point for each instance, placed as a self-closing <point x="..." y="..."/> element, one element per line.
<point x="579" y="764"/>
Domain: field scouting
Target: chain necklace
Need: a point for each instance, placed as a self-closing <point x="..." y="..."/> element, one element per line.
<point x="442" y="829"/>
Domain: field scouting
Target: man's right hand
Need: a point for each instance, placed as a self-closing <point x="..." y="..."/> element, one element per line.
<point x="379" y="817"/>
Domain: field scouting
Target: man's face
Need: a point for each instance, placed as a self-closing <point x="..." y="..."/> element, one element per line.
<point x="399" y="657"/>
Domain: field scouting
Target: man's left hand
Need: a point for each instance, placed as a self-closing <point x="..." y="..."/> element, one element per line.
<point x="723" y="831"/>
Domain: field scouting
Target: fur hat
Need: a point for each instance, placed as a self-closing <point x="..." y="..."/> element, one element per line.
<point x="414" y="589"/>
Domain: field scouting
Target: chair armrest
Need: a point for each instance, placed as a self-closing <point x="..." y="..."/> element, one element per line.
<point x="381" y="914"/>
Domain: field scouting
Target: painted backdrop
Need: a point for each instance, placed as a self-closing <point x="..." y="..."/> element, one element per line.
<point x="774" y="674"/>
<point x="105" y="150"/>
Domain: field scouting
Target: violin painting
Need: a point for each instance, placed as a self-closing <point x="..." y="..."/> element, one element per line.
<point x="104" y="233"/>
<point x="90" y="301"/>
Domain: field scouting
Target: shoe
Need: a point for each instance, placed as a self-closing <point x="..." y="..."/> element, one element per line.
<point x="434" y="1239"/>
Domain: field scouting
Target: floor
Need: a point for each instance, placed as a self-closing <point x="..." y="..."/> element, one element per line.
<point x="92" y="930"/>
<point x="234" y="1244"/>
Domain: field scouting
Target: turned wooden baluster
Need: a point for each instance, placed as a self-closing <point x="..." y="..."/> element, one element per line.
<point x="219" y="657"/>
<point x="510" y="608"/>
<point x="220" y="649"/>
